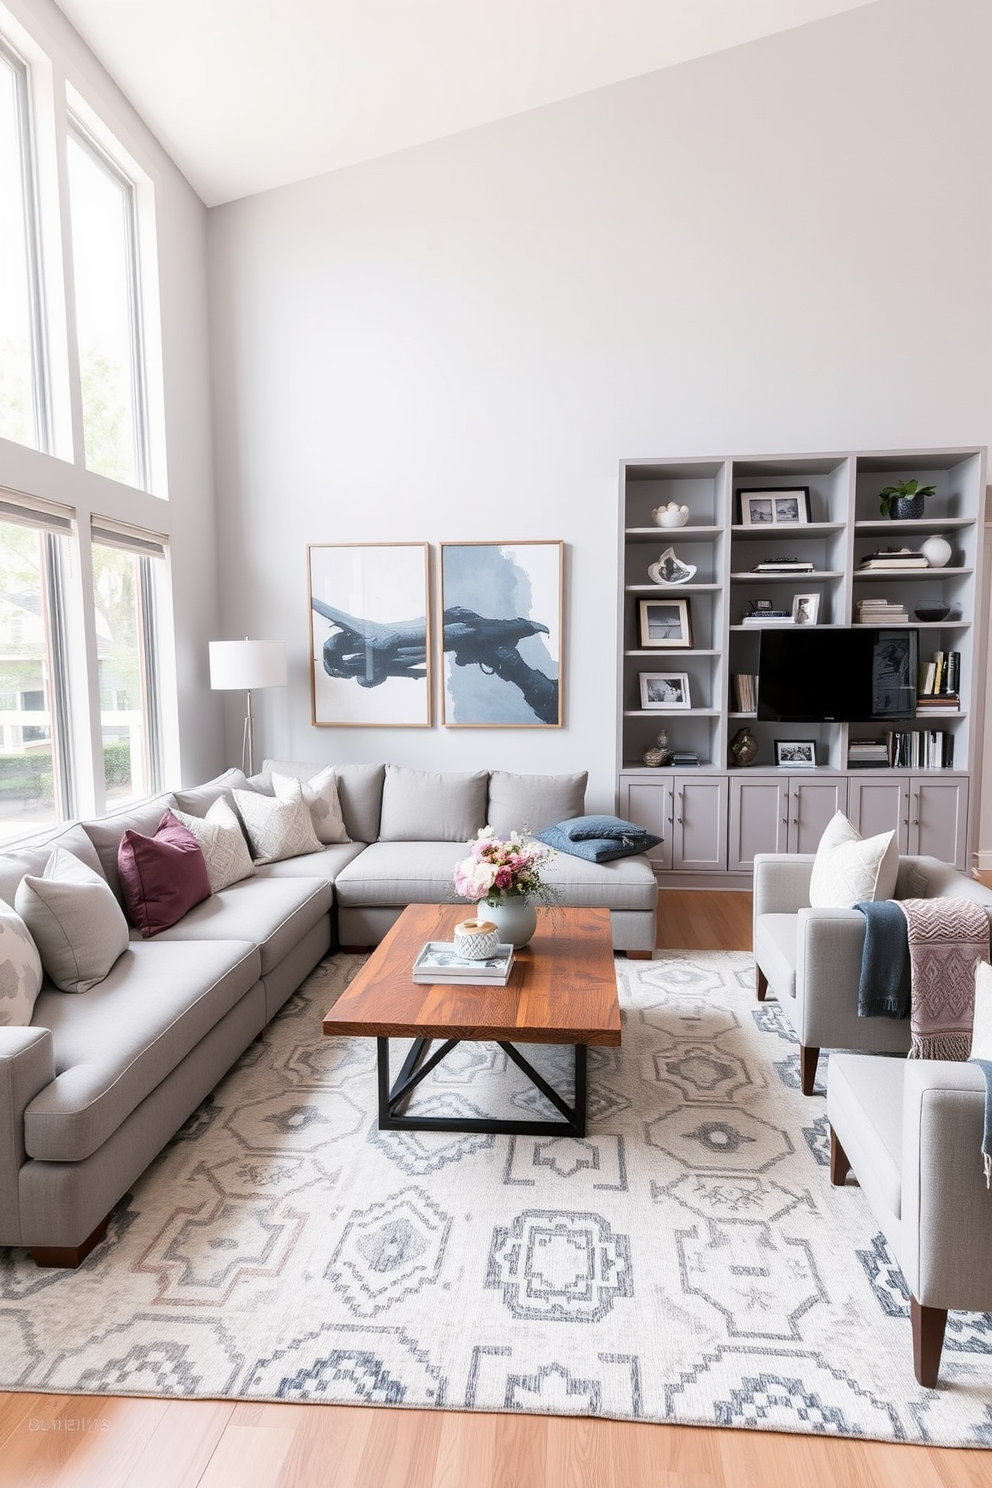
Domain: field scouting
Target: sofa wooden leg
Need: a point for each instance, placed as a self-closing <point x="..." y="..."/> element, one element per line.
<point x="928" y="1340"/>
<point x="839" y="1164"/>
<point x="69" y="1255"/>
<point x="638" y="955"/>
<point x="808" y="1057"/>
<point x="762" y="984"/>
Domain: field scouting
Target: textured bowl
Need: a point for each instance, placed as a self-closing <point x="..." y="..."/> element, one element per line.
<point x="932" y="611"/>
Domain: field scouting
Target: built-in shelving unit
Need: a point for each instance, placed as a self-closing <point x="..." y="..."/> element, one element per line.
<point x="713" y="817"/>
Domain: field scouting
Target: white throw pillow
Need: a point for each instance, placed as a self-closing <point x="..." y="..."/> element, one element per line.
<point x="277" y="829"/>
<point x="849" y="868"/>
<point x="77" y="923"/>
<point x="222" y="842"/>
<point x="20" y="970"/>
<point x="321" y="795"/>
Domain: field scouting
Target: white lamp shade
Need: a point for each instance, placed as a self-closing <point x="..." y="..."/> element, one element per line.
<point x="243" y="665"/>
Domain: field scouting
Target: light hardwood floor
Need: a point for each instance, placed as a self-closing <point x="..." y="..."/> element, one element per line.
<point x="86" y="1442"/>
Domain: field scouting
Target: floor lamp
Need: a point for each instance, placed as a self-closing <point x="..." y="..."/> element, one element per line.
<point x="242" y="666"/>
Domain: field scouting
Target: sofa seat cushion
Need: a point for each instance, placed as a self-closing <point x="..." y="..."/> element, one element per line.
<point x="775" y="950"/>
<point x="626" y="883"/>
<point x="865" y="1108"/>
<point x="399" y="873"/>
<point x="114" y="1044"/>
<point x="325" y="865"/>
<point x="273" y="913"/>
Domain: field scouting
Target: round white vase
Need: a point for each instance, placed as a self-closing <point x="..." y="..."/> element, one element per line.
<point x="937" y="551"/>
<point x="516" y="920"/>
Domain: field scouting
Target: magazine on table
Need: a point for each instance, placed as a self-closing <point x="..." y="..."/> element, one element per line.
<point x="438" y="961"/>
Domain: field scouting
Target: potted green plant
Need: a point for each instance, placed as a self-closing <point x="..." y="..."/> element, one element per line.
<point x="904" y="499"/>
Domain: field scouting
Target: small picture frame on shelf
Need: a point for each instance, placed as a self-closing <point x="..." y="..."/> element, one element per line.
<point x="665" y="624"/>
<point x="805" y="608"/>
<point x="796" y="754"/>
<point x="664" y="690"/>
<point x="781" y="508"/>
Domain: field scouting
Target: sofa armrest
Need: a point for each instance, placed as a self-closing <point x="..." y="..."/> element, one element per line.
<point x="946" y="1206"/>
<point x="27" y="1065"/>
<point x="781" y="882"/>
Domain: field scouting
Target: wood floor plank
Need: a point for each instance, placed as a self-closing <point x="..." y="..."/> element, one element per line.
<point x="178" y="1451"/>
<point x="466" y="1449"/>
<point x="249" y="1456"/>
<point x="401" y="1450"/>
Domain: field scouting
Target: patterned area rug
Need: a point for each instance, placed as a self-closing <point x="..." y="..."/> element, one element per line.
<point x="688" y="1262"/>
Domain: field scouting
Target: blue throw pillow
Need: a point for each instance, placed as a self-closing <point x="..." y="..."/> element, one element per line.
<point x="588" y="828"/>
<point x="597" y="849"/>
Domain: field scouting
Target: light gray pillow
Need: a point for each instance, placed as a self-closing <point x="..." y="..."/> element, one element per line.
<point x="533" y="802"/>
<point x="430" y="806"/>
<point x="20" y="970"/>
<point x="321" y="795"/>
<point x="77" y="924"/>
<point x="222" y="842"/>
<point x="277" y="829"/>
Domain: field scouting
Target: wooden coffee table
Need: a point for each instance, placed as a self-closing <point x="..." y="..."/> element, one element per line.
<point x="562" y="990"/>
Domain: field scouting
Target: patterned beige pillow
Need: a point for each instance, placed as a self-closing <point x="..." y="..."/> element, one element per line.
<point x="321" y="795"/>
<point x="20" y="970"/>
<point x="222" y="842"/>
<point x="277" y="829"/>
<point x="849" y="868"/>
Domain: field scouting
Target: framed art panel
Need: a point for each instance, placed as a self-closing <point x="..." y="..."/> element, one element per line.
<point x="501" y="609"/>
<point x="665" y="623"/>
<point x="664" y="690"/>
<point x="796" y="754"/>
<point x="775" y="508"/>
<point x="370" y="635"/>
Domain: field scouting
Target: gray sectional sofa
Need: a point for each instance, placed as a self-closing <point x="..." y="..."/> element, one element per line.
<point x="97" y="1083"/>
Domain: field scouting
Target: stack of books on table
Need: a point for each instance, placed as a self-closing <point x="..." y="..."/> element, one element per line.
<point x="783" y="565"/>
<point x="745" y="692"/>
<point x="867" y="754"/>
<point x="880" y="612"/>
<point x="440" y="962"/>
<point x="888" y="559"/>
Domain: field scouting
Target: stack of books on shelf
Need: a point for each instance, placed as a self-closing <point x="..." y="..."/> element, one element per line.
<point x="921" y="749"/>
<point x="887" y="559"/>
<point x="683" y="757"/>
<point x="783" y="565"/>
<point x="768" y="617"/>
<point x="867" y="754"/>
<point x="438" y="961"/>
<point x="880" y="612"/>
<point x="745" y="692"/>
<point x="938" y="682"/>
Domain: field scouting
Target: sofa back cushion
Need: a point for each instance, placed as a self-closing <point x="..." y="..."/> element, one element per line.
<point x="359" y="791"/>
<point x="105" y="833"/>
<point x="432" y="806"/>
<point x="198" y="800"/>
<point x="77" y="924"/>
<point x="533" y="802"/>
<point x="31" y="857"/>
<point x="162" y="876"/>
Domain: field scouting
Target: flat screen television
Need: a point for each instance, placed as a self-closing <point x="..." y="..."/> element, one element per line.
<point x="835" y="674"/>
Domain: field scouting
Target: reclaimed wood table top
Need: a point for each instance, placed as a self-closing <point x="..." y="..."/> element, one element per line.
<point x="562" y="987"/>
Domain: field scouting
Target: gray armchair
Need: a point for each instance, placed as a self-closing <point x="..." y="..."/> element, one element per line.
<point x="911" y="1130"/>
<point x="810" y="959"/>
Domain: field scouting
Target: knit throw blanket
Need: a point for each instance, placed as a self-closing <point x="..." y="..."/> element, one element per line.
<point x="947" y="940"/>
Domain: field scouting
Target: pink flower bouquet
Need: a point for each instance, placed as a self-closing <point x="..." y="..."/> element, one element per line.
<point x="503" y="868"/>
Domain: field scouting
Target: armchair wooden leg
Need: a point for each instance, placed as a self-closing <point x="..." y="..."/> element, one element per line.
<point x="928" y="1340"/>
<point x="638" y="955"/>
<point x="839" y="1164"/>
<point x="808" y="1057"/>
<point x="762" y="987"/>
<point x="69" y="1255"/>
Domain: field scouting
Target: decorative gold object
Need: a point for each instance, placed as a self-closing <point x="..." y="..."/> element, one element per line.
<point x="743" y="747"/>
<point x="658" y="754"/>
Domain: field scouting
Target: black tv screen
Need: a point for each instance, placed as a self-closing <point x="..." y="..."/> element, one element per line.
<point x="837" y="675"/>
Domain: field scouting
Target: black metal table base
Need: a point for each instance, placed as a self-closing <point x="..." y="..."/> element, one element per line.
<point x="392" y="1101"/>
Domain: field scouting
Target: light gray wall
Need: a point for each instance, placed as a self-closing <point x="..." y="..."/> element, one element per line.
<point x="783" y="247"/>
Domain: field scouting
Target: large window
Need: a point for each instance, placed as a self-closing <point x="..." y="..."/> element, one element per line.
<point x="22" y="368"/>
<point x="126" y="569"/>
<point x="35" y="554"/>
<point x="108" y="320"/>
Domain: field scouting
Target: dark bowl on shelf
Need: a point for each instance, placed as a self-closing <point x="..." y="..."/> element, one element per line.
<point x="932" y="611"/>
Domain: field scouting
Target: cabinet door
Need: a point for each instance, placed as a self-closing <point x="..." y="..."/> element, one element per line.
<point x="938" y="817"/>
<point x="649" y="804"/>
<point x="759" y="818"/>
<point x="699" y="826"/>
<point x="881" y="805"/>
<point x="812" y="803"/>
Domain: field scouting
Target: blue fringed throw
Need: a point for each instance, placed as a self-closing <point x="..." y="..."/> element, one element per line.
<point x="884" y="988"/>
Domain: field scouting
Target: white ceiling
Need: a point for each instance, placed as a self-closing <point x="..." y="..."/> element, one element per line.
<point x="250" y="94"/>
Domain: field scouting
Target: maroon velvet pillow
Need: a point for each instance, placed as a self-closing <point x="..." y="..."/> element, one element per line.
<point x="161" y="876"/>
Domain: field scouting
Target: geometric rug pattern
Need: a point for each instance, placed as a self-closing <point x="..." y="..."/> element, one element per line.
<point x="687" y="1261"/>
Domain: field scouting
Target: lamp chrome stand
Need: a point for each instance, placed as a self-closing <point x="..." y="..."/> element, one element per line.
<point x="247" y="750"/>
